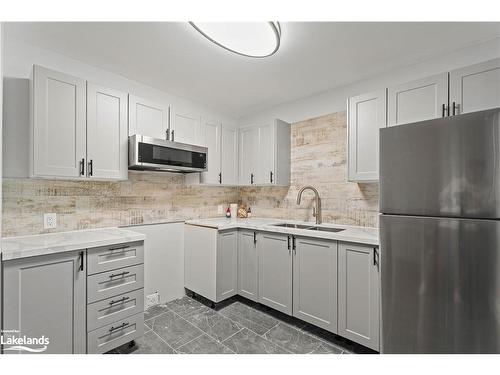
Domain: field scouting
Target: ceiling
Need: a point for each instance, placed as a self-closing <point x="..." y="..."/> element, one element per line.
<point x="314" y="56"/>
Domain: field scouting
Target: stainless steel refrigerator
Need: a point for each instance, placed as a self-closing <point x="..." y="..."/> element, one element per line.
<point x="440" y="235"/>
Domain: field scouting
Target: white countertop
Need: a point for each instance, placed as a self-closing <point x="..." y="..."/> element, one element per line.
<point x="51" y="243"/>
<point x="364" y="235"/>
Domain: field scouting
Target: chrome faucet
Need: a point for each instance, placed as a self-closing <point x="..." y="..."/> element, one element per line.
<point x="317" y="209"/>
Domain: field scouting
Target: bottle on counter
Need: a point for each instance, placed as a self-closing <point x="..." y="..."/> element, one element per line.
<point x="249" y="212"/>
<point x="228" y="213"/>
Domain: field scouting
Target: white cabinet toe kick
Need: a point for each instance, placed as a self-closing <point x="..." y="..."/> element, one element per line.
<point x="328" y="283"/>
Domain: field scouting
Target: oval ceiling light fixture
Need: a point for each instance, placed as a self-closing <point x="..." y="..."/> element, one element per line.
<point x="251" y="39"/>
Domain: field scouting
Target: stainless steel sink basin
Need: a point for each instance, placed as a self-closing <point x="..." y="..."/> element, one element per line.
<point x="326" y="229"/>
<point x="308" y="227"/>
<point x="295" y="226"/>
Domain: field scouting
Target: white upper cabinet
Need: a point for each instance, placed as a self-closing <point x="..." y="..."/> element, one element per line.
<point x="59" y="125"/>
<point x="107" y="146"/>
<point x="475" y="88"/>
<point x="185" y="127"/>
<point x="147" y="118"/>
<point x="213" y="143"/>
<point x="248" y="150"/>
<point x="265" y="154"/>
<point x="367" y="114"/>
<point x="79" y="128"/>
<point x="229" y="157"/>
<point x="419" y="100"/>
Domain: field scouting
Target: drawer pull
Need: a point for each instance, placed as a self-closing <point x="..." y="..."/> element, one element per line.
<point x="121" y="326"/>
<point x="119" y="301"/>
<point x="119" y="248"/>
<point x="118" y="274"/>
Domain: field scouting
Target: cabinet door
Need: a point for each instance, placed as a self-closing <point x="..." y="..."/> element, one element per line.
<point x="475" y="88"/>
<point x="229" y="163"/>
<point x="107" y="133"/>
<point x="248" y="150"/>
<point x="359" y="294"/>
<point x="227" y="256"/>
<point x="420" y="100"/>
<point x="46" y="296"/>
<point x="367" y="114"/>
<point x="213" y="142"/>
<point x="185" y="127"/>
<point x="315" y="282"/>
<point x="59" y="125"/>
<point x="147" y="117"/>
<point x="265" y="172"/>
<point x="248" y="266"/>
<point x="275" y="271"/>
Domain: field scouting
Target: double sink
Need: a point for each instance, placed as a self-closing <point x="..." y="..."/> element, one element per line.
<point x="308" y="227"/>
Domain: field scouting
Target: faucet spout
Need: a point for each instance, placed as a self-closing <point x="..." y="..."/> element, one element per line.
<point x="317" y="210"/>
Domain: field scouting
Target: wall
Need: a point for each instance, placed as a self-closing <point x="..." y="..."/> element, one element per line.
<point x="19" y="60"/>
<point x="319" y="158"/>
<point x="145" y="198"/>
<point x="336" y="99"/>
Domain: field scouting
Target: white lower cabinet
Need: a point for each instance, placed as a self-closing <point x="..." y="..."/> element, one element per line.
<point x="315" y="282"/>
<point x="275" y="271"/>
<point x="248" y="265"/>
<point x="359" y="294"/>
<point x="210" y="262"/>
<point x="330" y="284"/>
<point x="46" y="296"/>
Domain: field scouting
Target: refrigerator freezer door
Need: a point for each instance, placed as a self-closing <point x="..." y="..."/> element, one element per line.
<point x="440" y="285"/>
<point x="442" y="167"/>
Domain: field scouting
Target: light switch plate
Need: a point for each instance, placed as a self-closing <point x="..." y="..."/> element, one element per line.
<point x="50" y="221"/>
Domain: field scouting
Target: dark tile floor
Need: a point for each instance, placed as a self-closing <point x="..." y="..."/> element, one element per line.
<point x="188" y="326"/>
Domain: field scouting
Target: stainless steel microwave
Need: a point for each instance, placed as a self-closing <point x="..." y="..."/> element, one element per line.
<point x="146" y="153"/>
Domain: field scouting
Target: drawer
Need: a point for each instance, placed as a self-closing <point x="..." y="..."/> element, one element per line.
<point x="107" y="258"/>
<point x="112" y="283"/>
<point x="113" y="335"/>
<point x="110" y="310"/>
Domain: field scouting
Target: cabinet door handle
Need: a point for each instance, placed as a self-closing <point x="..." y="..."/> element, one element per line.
<point x="294" y="245"/>
<point x="81" y="260"/>
<point x="375" y="257"/>
<point x="91" y="167"/>
<point x="445" y="110"/>
<point x="118" y="274"/>
<point x="271" y="176"/>
<point x="220" y="177"/>
<point x="455" y="108"/>
<point x="251" y="178"/>
<point x="254" y="237"/>
<point x="111" y="303"/>
<point x="172" y="134"/>
<point x="82" y="167"/>
<point x="167" y="135"/>
<point x="121" y="326"/>
<point x="288" y="242"/>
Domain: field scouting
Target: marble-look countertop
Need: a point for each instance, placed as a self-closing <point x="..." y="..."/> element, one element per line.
<point x="51" y="243"/>
<point x="363" y="235"/>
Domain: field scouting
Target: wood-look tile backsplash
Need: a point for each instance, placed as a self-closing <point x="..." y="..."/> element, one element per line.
<point x="318" y="158"/>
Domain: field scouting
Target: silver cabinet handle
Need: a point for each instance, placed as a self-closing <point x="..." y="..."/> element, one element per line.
<point x="111" y="303"/>
<point x="118" y="274"/>
<point x="121" y="326"/>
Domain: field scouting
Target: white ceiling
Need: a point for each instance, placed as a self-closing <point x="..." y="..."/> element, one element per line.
<point x="313" y="57"/>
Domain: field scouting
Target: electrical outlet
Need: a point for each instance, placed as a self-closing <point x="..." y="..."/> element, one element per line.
<point x="152" y="299"/>
<point x="220" y="209"/>
<point x="50" y="221"/>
